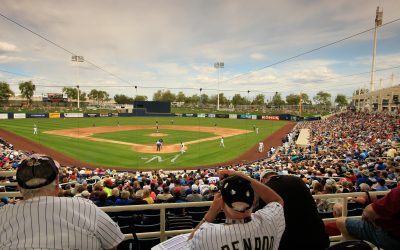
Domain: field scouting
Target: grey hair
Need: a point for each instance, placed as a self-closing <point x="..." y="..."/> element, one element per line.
<point x="30" y="193"/>
<point x="125" y="194"/>
<point x="364" y="187"/>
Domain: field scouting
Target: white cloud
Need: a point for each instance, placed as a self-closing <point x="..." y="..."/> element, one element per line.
<point x="257" y="56"/>
<point x="8" y="59"/>
<point x="168" y="69"/>
<point x="7" y="47"/>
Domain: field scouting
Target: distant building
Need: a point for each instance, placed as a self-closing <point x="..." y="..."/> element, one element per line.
<point x="386" y="99"/>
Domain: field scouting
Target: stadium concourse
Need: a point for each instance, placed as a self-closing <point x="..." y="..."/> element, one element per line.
<point x="348" y="152"/>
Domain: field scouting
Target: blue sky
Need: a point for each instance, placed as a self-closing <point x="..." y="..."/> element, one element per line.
<point x="174" y="44"/>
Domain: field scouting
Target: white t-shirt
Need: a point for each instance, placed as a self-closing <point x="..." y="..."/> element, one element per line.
<point x="57" y="223"/>
<point x="264" y="231"/>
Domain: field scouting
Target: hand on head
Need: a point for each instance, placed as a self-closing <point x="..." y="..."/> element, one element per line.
<point x="216" y="206"/>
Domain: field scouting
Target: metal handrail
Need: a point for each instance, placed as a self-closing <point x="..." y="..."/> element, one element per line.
<point x="163" y="234"/>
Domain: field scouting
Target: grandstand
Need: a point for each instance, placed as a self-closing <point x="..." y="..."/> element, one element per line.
<point x="337" y="151"/>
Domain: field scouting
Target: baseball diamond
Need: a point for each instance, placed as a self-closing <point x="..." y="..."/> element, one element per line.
<point x="82" y="144"/>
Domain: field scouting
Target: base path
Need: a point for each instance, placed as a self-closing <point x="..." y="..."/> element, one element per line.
<point x="85" y="133"/>
<point x="22" y="143"/>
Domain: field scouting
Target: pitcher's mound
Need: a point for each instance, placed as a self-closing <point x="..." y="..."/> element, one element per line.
<point x="157" y="134"/>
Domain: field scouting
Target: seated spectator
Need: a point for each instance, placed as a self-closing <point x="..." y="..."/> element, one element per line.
<point x="177" y="197"/>
<point x="114" y="195"/>
<point x="153" y="191"/>
<point x="85" y="195"/>
<point x="330" y="227"/>
<point x="108" y="186"/>
<point x="124" y="200"/>
<point x="46" y="221"/>
<point x="194" y="196"/>
<point x="209" y="196"/>
<point x="79" y="190"/>
<point x="363" y="178"/>
<point x="237" y="201"/>
<point x="146" y="196"/>
<point x="103" y="201"/>
<point x="136" y="186"/>
<point x="363" y="200"/>
<point x="138" y="199"/>
<point x="380" y="222"/>
<point x="380" y="185"/>
<point x="300" y="210"/>
<point x="165" y="195"/>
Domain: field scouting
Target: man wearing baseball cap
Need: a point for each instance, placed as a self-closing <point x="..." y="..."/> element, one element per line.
<point x="242" y="228"/>
<point x="43" y="220"/>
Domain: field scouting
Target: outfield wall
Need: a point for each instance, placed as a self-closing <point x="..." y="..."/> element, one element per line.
<point x="281" y="117"/>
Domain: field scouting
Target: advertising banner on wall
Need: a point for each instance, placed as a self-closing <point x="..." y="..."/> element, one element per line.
<point x="270" y="117"/>
<point x="211" y="115"/>
<point x="91" y="114"/>
<point x="201" y="115"/>
<point x="233" y="116"/>
<point x="54" y="115"/>
<point x="245" y="116"/>
<point x="254" y="117"/>
<point x="284" y="117"/>
<point x="73" y="115"/>
<point x="36" y="115"/>
<point x="103" y="114"/>
<point x="19" y="115"/>
<point x="113" y="115"/>
<point x="189" y="115"/>
<point x="222" y="115"/>
<point x="3" y="116"/>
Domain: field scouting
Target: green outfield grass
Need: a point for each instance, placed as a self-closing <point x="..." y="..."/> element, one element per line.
<point x="116" y="155"/>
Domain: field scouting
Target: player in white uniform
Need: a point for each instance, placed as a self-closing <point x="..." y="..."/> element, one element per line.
<point x="182" y="148"/>
<point x="35" y="129"/>
<point x="221" y="142"/>
<point x="260" y="146"/>
<point x="242" y="229"/>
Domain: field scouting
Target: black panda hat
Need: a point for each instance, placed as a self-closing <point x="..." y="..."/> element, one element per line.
<point x="237" y="193"/>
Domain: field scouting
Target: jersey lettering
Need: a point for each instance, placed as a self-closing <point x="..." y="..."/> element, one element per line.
<point x="266" y="243"/>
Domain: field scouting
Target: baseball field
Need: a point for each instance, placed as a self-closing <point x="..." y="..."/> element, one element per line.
<point x="130" y="143"/>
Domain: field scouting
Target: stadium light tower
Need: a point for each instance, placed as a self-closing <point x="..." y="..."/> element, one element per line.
<point x="200" y="105"/>
<point x="218" y="66"/>
<point x="378" y="22"/>
<point x="78" y="59"/>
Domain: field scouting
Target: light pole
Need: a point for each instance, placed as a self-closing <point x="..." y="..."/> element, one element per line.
<point x="200" y="105"/>
<point x="378" y="22"/>
<point x="248" y="99"/>
<point x="78" y="59"/>
<point x="218" y="66"/>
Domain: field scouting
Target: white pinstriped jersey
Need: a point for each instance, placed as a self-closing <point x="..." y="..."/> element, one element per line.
<point x="264" y="231"/>
<point x="57" y="223"/>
